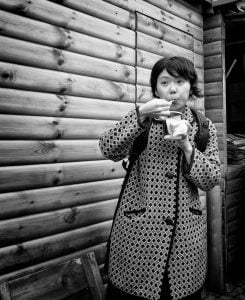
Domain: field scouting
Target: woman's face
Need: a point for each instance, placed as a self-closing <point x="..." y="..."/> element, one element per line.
<point x="173" y="88"/>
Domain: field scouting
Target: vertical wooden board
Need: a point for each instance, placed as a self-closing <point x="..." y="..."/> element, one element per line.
<point x="215" y="254"/>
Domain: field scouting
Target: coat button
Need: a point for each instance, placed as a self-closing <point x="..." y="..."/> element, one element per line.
<point x="169" y="221"/>
<point x="169" y="175"/>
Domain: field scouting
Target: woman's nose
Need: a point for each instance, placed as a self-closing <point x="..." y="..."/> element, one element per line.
<point x="172" y="88"/>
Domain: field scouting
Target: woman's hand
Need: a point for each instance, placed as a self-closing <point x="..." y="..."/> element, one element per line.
<point x="155" y="108"/>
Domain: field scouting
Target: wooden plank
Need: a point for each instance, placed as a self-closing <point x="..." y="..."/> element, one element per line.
<point x="34" y="127"/>
<point x="234" y="186"/>
<point x="215" y="115"/>
<point x="99" y="251"/>
<point x="213" y="89"/>
<point x="213" y="75"/>
<point x="45" y="34"/>
<point x="47" y="175"/>
<point x="215" y="249"/>
<point x="213" y="21"/>
<point x="30" y="54"/>
<point x="4" y="291"/>
<point x="235" y="212"/>
<point x="56" y="279"/>
<point x="45" y="104"/>
<point x="160" y="15"/>
<point x="104" y="11"/>
<point x="214" y="102"/>
<point x="214" y="48"/>
<point x="222" y="2"/>
<point x="39" y="250"/>
<point x="163" y="31"/>
<point x="235" y="171"/>
<point x="64" y="17"/>
<point x="28" y="78"/>
<point x="181" y="10"/>
<point x="161" y="47"/>
<point x="220" y="129"/>
<point x="212" y="62"/>
<point x="37" y="152"/>
<point x="91" y="270"/>
<point x="62" y="280"/>
<point x="19" y="230"/>
<point x="213" y="35"/>
<point x="22" y="203"/>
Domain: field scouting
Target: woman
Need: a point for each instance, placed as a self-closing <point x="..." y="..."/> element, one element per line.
<point x="158" y="247"/>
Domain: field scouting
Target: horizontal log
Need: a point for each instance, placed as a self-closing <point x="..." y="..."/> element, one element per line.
<point x="213" y="89"/>
<point x="51" y="282"/>
<point x="104" y="11"/>
<point x="30" y="54"/>
<point x="17" y="204"/>
<point x="57" y="37"/>
<point x="28" y="78"/>
<point x="36" y="251"/>
<point x="64" y="17"/>
<point x="213" y="35"/>
<point x="235" y="185"/>
<point x="162" y="31"/>
<point x="235" y="212"/>
<point x="45" y="104"/>
<point x="180" y="10"/>
<point x="34" y="127"/>
<point x="213" y="75"/>
<point x="27" y="228"/>
<point x="220" y="129"/>
<point x="214" y="102"/>
<point x="51" y="151"/>
<point x="214" y="48"/>
<point x="235" y="227"/>
<point x="160" y="47"/>
<point x="213" y="61"/>
<point x="215" y="115"/>
<point x="99" y="251"/>
<point x="160" y="15"/>
<point x="48" y="277"/>
<point x="235" y="171"/>
<point x="213" y="21"/>
<point x="47" y="175"/>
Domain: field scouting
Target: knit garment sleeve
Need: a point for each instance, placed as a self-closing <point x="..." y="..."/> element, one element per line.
<point x="204" y="167"/>
<point x="116" y="142"/>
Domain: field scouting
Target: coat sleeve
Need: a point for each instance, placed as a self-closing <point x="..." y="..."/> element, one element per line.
<point x="116" y="142"/>
<point x="204" y="168"/>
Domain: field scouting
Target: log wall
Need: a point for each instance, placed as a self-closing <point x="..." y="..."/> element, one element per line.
<point x="68" y="71"/>
<point x="214" y="82"/>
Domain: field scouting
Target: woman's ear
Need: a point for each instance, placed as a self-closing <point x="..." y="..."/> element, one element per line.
<point x="156" y="93"/>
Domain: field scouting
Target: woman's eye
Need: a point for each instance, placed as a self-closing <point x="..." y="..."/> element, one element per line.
<point x="164" y="82"/>
<point x="180" y="81"/>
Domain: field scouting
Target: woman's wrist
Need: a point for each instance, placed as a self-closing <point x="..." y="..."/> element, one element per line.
<point x="141" y="116"/>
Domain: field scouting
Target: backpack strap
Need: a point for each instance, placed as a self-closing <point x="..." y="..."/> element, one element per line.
<point x="203" y="135"/>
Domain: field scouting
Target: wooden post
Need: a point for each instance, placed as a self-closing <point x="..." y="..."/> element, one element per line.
<point x="93" y="275"/>
<point x="4" y="291"/>
<point x="215" y="242"/>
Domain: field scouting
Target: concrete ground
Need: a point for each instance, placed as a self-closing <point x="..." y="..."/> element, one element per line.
<point x="234" y="291"/>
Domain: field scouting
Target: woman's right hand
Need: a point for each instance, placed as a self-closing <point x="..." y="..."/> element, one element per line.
<point x="155" y="108"/>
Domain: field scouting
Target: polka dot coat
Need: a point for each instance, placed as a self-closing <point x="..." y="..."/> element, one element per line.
<point x="159" y="226"/>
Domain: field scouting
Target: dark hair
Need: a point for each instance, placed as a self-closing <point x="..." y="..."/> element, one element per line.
<point x="176" y="66"/>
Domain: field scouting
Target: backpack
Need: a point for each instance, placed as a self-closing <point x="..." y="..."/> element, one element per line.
<point x="201" y="139"/>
